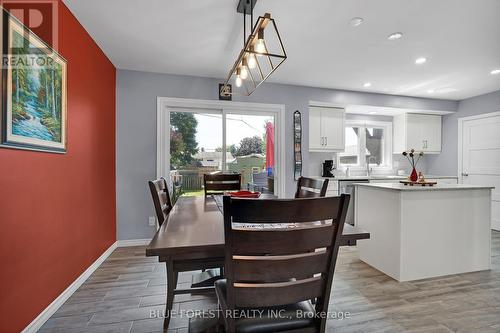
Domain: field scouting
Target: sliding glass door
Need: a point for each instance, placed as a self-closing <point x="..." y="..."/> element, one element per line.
<point x="195" y="148"/>
<point x="206" y="141"/>
<point x="250" y="149"/>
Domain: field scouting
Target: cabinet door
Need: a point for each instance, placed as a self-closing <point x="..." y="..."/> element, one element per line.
<point x="333" y="128"/>
<point x="315" y="139"/>
<point x="431" y="133"/>
<point x="399" y="134"/>
<point x="414" y="138"/>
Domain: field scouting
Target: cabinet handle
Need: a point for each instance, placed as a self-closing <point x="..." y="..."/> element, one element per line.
<point x="326" y="141"/>
<point x="321" y="141"/>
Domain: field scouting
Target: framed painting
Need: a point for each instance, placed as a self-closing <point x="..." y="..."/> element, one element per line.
<point x="34" y="91"/>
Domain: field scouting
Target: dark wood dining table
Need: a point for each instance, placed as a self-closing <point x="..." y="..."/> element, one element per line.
<point x="194" y="230"/>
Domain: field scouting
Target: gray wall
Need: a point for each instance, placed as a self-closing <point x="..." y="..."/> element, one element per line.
<point x="136" y="130"/>
<point x="446" y="163"/>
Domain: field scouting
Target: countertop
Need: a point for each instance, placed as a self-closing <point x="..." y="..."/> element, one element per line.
<point x="438" y="187"/>
<point x="382" y="177"/>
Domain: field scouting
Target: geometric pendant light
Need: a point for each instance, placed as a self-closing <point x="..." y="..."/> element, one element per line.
<point x="262" y="53"/>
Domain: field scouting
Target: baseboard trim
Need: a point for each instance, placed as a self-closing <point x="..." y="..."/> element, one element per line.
<point x="35" y="325"/>
<point x="133" y="242"/>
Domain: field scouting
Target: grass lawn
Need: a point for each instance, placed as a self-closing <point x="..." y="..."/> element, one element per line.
<point x="193" y="193"/>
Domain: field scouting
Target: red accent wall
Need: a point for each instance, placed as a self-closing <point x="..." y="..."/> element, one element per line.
<point x="57" y="212"/>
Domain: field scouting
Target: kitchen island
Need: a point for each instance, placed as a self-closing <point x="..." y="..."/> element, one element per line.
<point x="422" y="232"/>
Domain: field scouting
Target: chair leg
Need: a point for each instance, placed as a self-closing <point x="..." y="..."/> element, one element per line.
<point x="231" y="325"/>
<point x="171" y="284"/>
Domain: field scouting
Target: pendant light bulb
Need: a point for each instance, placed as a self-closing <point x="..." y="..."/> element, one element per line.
<point x="260" y="47"/>
<point x="238" y="81"/>
<point x="243" y="69"/>
<point x="251" y="60"/>
<point x="244" y="73"/>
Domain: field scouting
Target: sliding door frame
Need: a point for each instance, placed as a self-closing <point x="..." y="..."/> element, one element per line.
<point x="165" y="105"/>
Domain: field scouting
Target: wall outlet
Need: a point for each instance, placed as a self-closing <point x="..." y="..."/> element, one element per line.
<point x="152" y="221"/>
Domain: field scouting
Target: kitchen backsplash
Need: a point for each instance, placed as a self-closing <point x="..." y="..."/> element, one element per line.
<point x="399" y="162"/>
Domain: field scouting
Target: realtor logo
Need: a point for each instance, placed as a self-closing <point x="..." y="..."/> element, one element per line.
<point x="39" y="16"/>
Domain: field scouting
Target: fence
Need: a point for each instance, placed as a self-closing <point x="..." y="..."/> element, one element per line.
<point x="190" y="180"/>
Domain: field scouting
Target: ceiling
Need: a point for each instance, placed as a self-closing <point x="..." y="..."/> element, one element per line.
<point x="460" y="39"/>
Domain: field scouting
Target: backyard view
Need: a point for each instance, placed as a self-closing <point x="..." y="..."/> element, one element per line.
<point x="197" y="147"/>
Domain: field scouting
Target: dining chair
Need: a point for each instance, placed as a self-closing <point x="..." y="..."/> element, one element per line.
<point x="217" y="183"/>
<point x="211" y="269"/>
<point x="161" y="198"/>
<point x="259" y="181"/>
<point x="279" y="270"/>
<point x="311" y="188"/>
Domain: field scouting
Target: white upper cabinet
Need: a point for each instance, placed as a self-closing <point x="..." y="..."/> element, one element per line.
<point x="326" y="129"/>
<point x="315" y="138"/>
<point x="421" y="132"/>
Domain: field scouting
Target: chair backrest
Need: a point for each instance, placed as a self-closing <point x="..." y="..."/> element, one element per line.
<point x="219" y="182"/>
<point x="311" y="188"/>
<point x="281" y="265"/>
<point x="161" y="198"/>
<point x="259" y="178"/>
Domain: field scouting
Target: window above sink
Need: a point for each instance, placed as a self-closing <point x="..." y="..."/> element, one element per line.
<point x="367" y="141"/>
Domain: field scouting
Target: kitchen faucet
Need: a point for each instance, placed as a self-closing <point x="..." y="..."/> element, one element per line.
<point x="368" y="169"/>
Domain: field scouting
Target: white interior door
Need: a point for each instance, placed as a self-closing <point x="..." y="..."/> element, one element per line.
<point x="481" y="158"/>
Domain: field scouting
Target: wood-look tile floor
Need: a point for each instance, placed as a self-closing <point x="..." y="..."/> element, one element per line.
<point x="121" y="294"/>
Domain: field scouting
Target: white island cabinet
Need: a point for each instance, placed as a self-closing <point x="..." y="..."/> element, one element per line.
<point x="423" y="232"/>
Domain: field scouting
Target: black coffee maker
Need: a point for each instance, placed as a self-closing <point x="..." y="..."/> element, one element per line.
<point x="328" y="168"/>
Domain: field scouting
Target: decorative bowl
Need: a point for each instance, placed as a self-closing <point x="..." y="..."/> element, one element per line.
<point x="245" y="194"/>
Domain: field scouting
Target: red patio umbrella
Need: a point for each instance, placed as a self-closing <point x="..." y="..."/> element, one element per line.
<point x="269" y="147"/>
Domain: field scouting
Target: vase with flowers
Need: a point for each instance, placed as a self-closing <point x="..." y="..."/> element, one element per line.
<point x="410" y="156"/>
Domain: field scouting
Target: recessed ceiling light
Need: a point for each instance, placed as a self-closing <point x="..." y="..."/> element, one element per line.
<point x="372" y="112"/>
<point x="394" y="36"/>
<point x="495" y="72"/>
<point x="431" y="91"/>
<point x="420" y="61"/>
<point x="367" y="84"/>
<point x="356" y="21"/>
